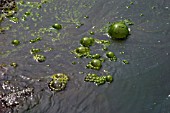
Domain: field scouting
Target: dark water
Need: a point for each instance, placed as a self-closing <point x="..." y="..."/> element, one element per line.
<point x="140" y="87"/>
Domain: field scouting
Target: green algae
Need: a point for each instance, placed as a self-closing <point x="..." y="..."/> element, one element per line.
<point x="80" y="52"/>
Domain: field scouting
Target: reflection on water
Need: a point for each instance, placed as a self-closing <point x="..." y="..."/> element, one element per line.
<point x="142" y="86"/>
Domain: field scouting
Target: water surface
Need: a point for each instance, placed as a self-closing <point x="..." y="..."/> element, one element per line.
<point x="142" y="86"/>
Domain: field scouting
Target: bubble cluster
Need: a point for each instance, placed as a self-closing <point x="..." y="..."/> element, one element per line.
<point x="117" y="30"/>
<point x="94" y="64"/>
<point x="111" y="56"/>
<point x="98" y="80"/>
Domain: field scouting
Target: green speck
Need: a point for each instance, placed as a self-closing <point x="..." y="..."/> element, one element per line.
<point x="81" y="72"/>
<point x="73" y="63"/>
<point x="131" y="3"/>
<point x="14" y="19"/>
<point x="153" y="7"/>
<point x="122" y="52"/>
<point x="57" y="26"/>
<point x="23" y="18"/>
<point x="13" y="64"/>
<point x="105" y="48"/>
<point x="127" y="7"/>
<point x="15" y="42"/>
<point x="34" y="51"/>
<point x="128" y="22"/>
<point x="91" y="33"/>
<point x="86" y="16"/>
<point x="35" y="40"/>
<point x="141" y="14"/>
<point x="39" y="6"/>
<point x="39" y="58"/>
<point x="79" y="25"/>
<point x="27" y="13"/>
<point x="125" y="62"/>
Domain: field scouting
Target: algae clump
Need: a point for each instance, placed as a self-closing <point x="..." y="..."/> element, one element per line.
<point x="58" y="82"/>
<point x="94" y="64"/>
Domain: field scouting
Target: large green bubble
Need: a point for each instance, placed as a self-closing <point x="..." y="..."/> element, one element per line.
<point x="118" y="30"/>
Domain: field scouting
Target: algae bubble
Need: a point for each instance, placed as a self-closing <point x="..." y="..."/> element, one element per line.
<point x="87" y="41"/>
<point x="94" y="64"/>
<point x="109" y="78"/>
<point x="58" y="82"/>
<point x="95" y="56"/>
<point x="111" y="56"/>
<point x="57" y="26"/>
<point x="82" y="51"/>
<point x="118" y="30"/>
<point x="15" y="42"/>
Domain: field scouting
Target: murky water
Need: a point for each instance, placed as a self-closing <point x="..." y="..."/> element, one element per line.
<point x="142" y="86"/>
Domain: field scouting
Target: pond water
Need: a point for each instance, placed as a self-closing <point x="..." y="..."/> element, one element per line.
<point x="142" y="86"/>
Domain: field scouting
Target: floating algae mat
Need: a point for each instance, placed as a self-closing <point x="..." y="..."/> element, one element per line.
<point x="39" y="48"/>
